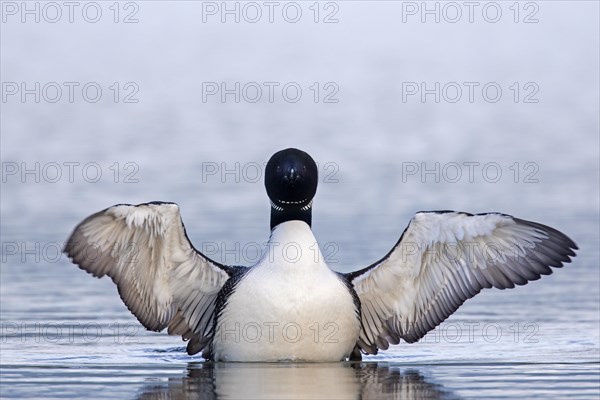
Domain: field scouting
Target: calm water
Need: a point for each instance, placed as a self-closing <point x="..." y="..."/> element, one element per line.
<point x="383" y="154"/>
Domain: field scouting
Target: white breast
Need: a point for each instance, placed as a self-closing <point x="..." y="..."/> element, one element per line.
<point x="290" y="306"/>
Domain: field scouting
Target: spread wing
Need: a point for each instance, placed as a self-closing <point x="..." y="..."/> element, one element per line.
<point x="161" y="277"/>
<point x="444" y="258"/>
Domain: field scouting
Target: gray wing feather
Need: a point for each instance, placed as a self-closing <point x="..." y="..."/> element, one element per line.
<point x="443" y="259"/>
<point x="161" y="278"/>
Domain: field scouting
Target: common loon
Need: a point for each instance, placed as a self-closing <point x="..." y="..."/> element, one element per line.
<point x="290" y="305"/>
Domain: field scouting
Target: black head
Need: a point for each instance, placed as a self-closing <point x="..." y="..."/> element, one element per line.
<point x="291" y="178"/>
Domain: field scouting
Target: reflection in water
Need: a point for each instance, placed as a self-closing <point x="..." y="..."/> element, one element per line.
<point x="297" y="381"/>
<point x="383" y="382"/>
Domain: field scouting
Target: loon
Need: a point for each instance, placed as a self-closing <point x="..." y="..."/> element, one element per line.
<point x="290" y="306"/>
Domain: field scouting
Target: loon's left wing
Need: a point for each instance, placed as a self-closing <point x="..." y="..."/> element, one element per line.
<point x="162" y="279"/>
<point x="444" y="258"/>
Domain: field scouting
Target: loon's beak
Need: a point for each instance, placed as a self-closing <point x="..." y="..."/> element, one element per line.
<point x="291" y="176"/>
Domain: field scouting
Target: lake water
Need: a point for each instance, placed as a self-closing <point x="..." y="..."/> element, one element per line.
<point x="373" y="95"/>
